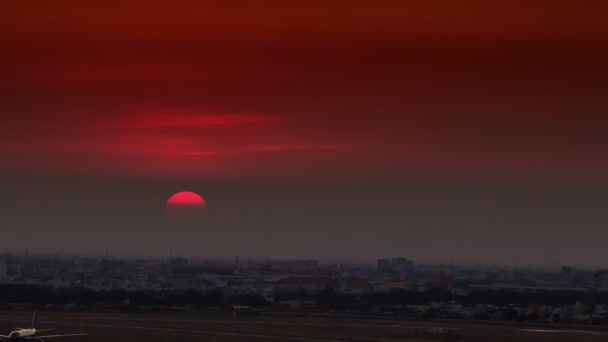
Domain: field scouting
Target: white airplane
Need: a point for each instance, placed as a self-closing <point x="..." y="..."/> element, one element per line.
<point x="29" y="334"/>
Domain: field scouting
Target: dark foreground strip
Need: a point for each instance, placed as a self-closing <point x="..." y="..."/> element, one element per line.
<point x="190" y="331"/>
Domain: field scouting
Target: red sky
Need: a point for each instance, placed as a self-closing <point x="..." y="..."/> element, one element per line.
<point x="299" y="89"/>
<point x="284" y="115"/>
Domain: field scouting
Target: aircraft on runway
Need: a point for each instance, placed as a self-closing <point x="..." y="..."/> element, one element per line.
<point x="29" y="334"/>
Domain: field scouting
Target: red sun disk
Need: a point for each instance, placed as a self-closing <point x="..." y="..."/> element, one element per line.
<point x="186" y="207"/>
<point x="186" y="198"/>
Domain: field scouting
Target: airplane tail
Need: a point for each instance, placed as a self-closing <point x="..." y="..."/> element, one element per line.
<point x="34" y="318"/>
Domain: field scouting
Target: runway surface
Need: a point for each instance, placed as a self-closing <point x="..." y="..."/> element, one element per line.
<point x="287" y="328"/>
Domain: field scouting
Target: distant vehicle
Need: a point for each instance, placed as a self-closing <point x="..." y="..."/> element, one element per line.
<point x="29" y="334"/>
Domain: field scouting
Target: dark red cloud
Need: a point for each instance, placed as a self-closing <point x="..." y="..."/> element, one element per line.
<point x="305" y="89"/>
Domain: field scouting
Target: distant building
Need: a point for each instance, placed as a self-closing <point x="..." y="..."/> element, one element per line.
<point x="446" y="282"/>
<point x="400" y="265"/>
<point x="3" y="270"/>
<point x="601" y="280"/>
<point x="410" y="268"/>
<point x="403" y="266"/>
<point x="394" y="285"/>
<point x="566" y="270"/>
<point x="384" y="265"/>
<point x="309" y="282"/>
<point x="179" y="262"/>
<point x="356" y="286"/>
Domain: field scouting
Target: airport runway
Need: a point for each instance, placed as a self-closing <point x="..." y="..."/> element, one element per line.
<point x="176" y="330"/>
<point x="282" y="328"/>
<point x="355" y="323"/>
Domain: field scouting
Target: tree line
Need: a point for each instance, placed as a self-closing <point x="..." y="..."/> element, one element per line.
<point x="328" y="299"/>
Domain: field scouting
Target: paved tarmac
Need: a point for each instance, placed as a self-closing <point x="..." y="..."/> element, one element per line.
<point x="210" y="326"/>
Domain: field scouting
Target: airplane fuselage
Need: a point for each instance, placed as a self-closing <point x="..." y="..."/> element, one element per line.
<point x="21" y="334"/>
<point x="30" y="334"/>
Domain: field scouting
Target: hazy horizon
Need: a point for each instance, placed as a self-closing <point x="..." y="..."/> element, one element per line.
<point x="481" y="222"/>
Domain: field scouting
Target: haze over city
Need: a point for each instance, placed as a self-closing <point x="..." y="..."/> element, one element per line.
<point x="342" y="131"/>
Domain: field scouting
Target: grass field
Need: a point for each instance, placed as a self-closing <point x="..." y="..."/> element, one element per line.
<point x="225" y="328"/>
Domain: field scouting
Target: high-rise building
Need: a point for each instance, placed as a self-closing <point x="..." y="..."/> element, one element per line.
<point x="3" y="269"/>
<point x="601" y="280"/>
<point x="403" y="266"/>
<point x="400" y="265"/>
<point x="410" y="267"/>
<point x="384" y="265"/>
